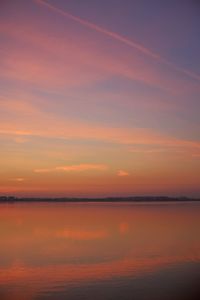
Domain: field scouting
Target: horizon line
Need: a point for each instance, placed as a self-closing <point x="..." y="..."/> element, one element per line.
<point x="148" y="198"/>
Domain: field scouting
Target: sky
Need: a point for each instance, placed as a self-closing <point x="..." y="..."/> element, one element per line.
<point x="99" y="98"/>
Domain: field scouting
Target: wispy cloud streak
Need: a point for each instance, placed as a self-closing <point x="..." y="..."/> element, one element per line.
<point x="120" y="38"/>
<point x="74" y="168"/>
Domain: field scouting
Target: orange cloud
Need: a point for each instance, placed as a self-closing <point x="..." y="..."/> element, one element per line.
<point x="61" y="129"/>
<point x="74" y="168"/>
<point x="17" y="106"/>
<point x="122" y="173"/>
<point x="19" y="179"/>
<point x="20" y="140"/>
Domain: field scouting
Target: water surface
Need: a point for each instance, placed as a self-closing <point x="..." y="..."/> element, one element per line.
<point x="100" y="251"/>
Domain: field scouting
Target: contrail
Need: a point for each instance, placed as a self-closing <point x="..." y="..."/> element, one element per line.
<point x="120" y="38"/>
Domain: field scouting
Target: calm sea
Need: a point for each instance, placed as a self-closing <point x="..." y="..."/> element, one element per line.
<point x="100" y="251"/>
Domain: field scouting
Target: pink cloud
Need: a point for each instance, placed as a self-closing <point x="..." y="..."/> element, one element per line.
<point x="50" y="61"/>
<point x="120" y="38"/>
<point x="101" y="30"/>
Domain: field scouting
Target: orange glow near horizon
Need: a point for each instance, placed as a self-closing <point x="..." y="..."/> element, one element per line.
<point x="94" y="107"/>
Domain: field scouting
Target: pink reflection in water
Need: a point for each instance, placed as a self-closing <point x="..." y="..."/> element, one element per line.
<point x="47" y="246"/>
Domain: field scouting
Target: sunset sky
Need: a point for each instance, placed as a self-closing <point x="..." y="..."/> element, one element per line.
<point x="99" y="98"/>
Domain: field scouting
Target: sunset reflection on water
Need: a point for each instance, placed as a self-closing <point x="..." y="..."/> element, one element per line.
<point x="76" y="251"/>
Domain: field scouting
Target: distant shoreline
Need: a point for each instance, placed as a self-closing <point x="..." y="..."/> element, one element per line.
<point x="11" y="199"/>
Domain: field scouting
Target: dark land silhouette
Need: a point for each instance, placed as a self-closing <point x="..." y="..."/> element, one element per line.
<point x="10" y="199"/>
